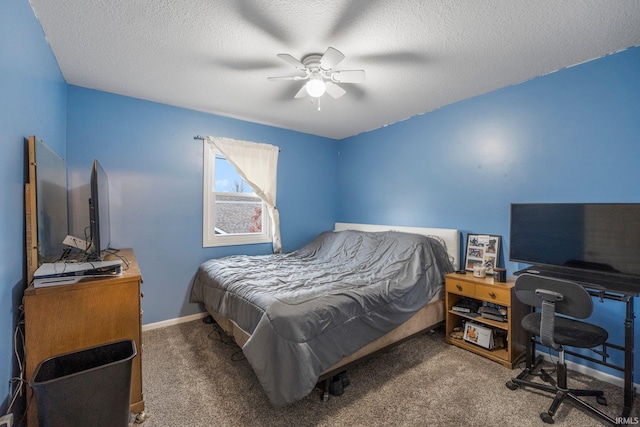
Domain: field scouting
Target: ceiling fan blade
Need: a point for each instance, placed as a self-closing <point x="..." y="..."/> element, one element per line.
<point x="291" y="61"/>
<point x="296" y="78"/>
<point x="241" y="65"/>
<point x="302" y="92"/>
<point x="331" y="58"/>
<point x="395" y="58"/>
<point x="334" y="90"/>
<point x="257" y="15"/>
<point x="348" y="76"/>
<point x="354" y="13"/>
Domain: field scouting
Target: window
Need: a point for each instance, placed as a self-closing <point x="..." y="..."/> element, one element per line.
<point x="232" y="213"/>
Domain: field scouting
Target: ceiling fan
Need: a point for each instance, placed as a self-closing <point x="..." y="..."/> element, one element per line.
<point x="321" y="74"/>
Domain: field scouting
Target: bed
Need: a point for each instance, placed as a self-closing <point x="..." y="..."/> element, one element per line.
<point x="301" y="316"/>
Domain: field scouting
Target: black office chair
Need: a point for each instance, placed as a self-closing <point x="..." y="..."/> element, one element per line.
<point x="555" y="296"/>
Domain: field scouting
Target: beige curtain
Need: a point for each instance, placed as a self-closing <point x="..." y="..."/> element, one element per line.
<point x="257" y="164"/>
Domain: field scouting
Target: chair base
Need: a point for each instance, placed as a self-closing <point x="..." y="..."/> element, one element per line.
<point x="560" y="393"/>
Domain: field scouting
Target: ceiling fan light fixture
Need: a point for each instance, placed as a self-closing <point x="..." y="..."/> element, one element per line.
<point x="316" y="86"/>
<point x="321" y="75"/>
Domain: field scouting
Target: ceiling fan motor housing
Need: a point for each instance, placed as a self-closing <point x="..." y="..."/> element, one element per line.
<point x="319" y="70"/>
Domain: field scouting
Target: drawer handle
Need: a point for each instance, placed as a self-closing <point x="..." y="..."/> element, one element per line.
<point x="492" y="294"/>
<point x="458" y="287"/>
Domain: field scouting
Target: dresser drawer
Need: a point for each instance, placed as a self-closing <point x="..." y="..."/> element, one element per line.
<point x="460" y="287"/>
<point x="494" y="294"/>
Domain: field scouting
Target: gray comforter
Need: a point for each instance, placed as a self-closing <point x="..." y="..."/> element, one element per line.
<point x="308" y="309"/>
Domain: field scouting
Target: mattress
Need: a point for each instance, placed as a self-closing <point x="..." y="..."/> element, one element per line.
<point x="306" y="310"/>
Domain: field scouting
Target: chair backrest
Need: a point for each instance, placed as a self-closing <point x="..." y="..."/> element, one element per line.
<point x="575" y="302"/>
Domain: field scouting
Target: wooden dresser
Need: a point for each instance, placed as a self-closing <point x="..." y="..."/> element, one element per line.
<point x="95" y="311"/>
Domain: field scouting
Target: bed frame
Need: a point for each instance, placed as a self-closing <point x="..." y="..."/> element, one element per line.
<point x="429" y="317"/>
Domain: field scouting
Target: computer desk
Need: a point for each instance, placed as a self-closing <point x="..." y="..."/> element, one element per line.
<point x="601" y="289"/>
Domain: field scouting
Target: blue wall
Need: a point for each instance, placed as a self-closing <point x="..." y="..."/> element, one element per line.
<point x="32" y="102"/>
<point x="570" y="136"/>
<point x="155" y="176"/>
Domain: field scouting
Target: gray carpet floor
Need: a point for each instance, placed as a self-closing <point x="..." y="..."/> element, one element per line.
<point x="192" y="378"/>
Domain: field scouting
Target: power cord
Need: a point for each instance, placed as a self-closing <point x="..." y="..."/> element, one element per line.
<point x="553" y="363"/>
<point x="222" y="337"/>
<point x="123" y="258"/>
<point x="18" y="343"/>
<point x="69" y="257"/>
<point x="522" y="365"/>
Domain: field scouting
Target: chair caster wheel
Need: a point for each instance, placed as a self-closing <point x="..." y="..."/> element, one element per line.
<point x="601" y="400"/>
<point x="546" y="418"/>
<point x="511" y="385"/>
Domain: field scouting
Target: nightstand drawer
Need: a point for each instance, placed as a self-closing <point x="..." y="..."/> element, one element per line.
<point x="460" y="287"/>
<point x="494" y="294"/>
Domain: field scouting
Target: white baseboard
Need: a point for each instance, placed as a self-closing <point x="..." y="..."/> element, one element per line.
<point x="586" y="370"/>
<point x="176" y="321"/>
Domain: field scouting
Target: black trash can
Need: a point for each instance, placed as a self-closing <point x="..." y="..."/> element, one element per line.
<point x="89" y="387"/>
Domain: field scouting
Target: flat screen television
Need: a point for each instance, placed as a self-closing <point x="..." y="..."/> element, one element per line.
<point x="99" y="226"/>
<point x="588" y="239"/>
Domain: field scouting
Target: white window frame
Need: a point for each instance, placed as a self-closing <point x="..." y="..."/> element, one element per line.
<point x="209" y="238"/>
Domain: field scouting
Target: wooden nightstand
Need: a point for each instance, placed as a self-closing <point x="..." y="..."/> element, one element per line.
<point x="484" y="289"/>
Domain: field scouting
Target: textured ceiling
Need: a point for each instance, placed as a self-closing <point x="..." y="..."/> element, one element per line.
<point x="419" y="55"/>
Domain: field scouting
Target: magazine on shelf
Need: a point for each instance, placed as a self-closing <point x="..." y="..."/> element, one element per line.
<point x="478" y="334"/>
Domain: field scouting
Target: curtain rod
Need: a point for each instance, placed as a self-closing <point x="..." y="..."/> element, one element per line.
<point x="201" y="137"/>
